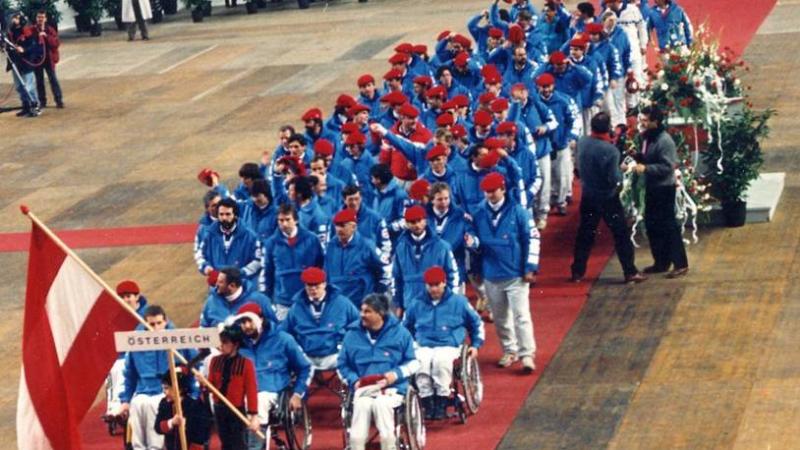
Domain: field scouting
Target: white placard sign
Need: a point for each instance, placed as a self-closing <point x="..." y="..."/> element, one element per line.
<point x="137" y="341"/>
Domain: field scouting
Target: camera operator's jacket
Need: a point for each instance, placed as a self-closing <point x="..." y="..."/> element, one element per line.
<point x="27" y="38"/>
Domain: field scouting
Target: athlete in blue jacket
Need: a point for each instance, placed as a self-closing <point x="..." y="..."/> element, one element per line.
<point x="419" y="248"/>
<point x="370" y="225"/>
<point x="231" y="293"/>
<point x="450" y="223"/>
<point x="466" y="191"/>
<point x="353" y="263"/>
<point x="376" y="361"/>
<point x="286" y="254"/>
<point x="390" y="199"/>
<point x="672" y="25"/>
<point x="319" y="318"/>
<point x="259" y="213"/>
<point x="439" y="321"/>
<point x="230" y="244"/>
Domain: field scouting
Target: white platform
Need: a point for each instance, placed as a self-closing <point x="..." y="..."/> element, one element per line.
<point x="762" y="199"/>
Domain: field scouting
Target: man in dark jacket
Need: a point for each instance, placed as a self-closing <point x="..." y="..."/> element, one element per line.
<point x="598" y="165"/>
<point x="657" y="161"/>
<point x="50" y="36"/>
<point x="24" y="52"/>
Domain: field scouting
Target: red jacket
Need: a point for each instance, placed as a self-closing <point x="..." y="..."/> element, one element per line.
<point x="400" y="166"/>
<point x="51" y="43"/>
<point x="241" y="380"/>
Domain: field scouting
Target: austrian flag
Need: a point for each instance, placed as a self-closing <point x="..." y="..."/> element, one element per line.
<point x="67" y="344"/>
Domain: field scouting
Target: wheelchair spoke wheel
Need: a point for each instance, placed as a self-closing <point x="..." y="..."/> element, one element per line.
<point x="471" y="382"/>
<point x="298" y="429"/>
<point x="414" y="422"/>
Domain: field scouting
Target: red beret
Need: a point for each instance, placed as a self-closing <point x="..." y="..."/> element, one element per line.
<point x="434" y="275"/>
<point x="462" y="40"/>
<point x="414" y="213"/>
<point x="313" y="275"/>
<point x="420" y="49"/>
<point x="461" y="59"/>
<point x="482" y="118"/>
<point x="393" y="74"/>
<point x="486" y="98"/>
<point x="448" y="105"/>
<point x="355" y="138"/>
<point x="499" y="105"/>
<point x="357" y="108"/>
<point x="489" y="160"/>
<point x="515" y="34"/>
<point x="436" y="151"/>
<point x="443" y="35"/>
<point x="212" y="278"/>
<point x="507" y="128"/>
<point x="419" y="189"/>
<point x="205" y="176"/>
<point x="545" y="79"/>
<point x="350" y="127"/>
<point x="519" y="87"/>
<point x="409" y="110"/>
<point x="311" y="114"/>
<point x="436" y="91"/>
<point x="252" y="308"/>
<point x="492" y="78"/>
<point x="127" y="287"/>
<point x="490" y="69"/>
<point x="458" y="131"/>
<point x="494" y="143"/>
<point x="399" y="58"/>
<point x="461" y="100"/>
<point x="365" y="79"/>
<point x="424" y="80"/>
<point x="594" y="28"/>
<point x="495" y="32"/>
<point x="405" y="47"/>
<point x="394" y="98"/>
<point x="323" y="147"/>
<point x="557" y="57"/>
<point x="492" y="182"/>
<point x="580" y="42"/>
<point x="445" y="120"/>
<point x="344" y="216"/>
<point x="345" y="101"/>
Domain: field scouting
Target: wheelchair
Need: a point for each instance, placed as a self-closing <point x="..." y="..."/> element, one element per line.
<point x="467" y="388"/>
<point x="409" y="422"/>
<point x="294" y="426"/>
<point x="327" y="380"/>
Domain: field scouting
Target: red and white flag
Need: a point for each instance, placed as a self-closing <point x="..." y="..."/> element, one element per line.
<point x="67" y="346"/>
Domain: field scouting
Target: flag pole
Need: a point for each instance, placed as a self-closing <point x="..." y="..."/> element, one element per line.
<point x="176" y="389"/>
<point x="113" y="293"/>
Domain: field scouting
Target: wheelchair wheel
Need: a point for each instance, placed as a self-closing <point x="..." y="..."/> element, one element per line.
<point x="347" y="417"/>
<point x="297" y="426"/>
<point x="412" y="430"/>
<point x="471" y="381"/>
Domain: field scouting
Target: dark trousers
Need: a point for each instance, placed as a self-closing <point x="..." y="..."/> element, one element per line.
<point x="137" y="12"/>
<point x="230" y="428"/>
<point x="663" y="231"/>
<point x="610" y="210"/>
<point x="50" y="70"/>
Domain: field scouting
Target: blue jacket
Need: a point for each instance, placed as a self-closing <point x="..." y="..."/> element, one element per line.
<point x="451" y="228"/>
<point x="360" y="168"/>
<point x="510" y="249"/>
<point x="467" y="190"/>
<point x="623" y="45"/>
<point x="313" y="219"/>
<point x="571" y="82"/>
<point x="415" y="152"/>
<point x="320" y="337"/>
<point x="672" y="29"/>
<point x="390" y="205"/>
<point x="535" y="114"/>
<point x="410" y="265"/>
<point x="139" y="310"/>
<point x="566" y="112"/>
<point x="593" y="91"/>
<point x="243" y="252"/>
<point x="217" y="308"/>
<point x="373" y="103"/>
<point x="372" y="227"/>
<point x="357" y="268"/>
<point x="554" y="33"/>
<point x="512" y="75"/>
<point x="283" y="264"/>
<point x="607" y="58"/>
<point x="393" y="350"/>
<point x="261" y="221"/>
<point x="524" y="154"/>
<point x="277" y="357"/>
<point x="449" y="177"/>
<point x="143" y="370"/>
<point x="444" y="324"/>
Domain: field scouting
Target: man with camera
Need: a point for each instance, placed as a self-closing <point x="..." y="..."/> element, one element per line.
<point x="24" y="51"/>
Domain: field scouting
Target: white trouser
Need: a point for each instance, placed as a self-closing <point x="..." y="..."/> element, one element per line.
<point x="543" y="202"/>
<point x="379" y="405"/>
<point x="142" y="419"/>
<point x="281" y="311"/>
<point x="561" y="169"/>
<point x="436" y="370"/>
<point x="615" y="103"/>
<point x="321" y="363"/>
<point x="266" y="401"/>
<point x="637" y="65"/>
<point x="115" y="384"/>
<point x="512" y="315"/>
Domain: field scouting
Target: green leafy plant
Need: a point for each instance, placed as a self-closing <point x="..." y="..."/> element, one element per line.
<point x="31" y="7"/>
<point x="193" y="4"/>
<point x="112" y="7"/>
<point x="739" y="153"/>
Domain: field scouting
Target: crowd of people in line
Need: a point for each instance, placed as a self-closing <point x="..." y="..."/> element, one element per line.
<point x="349" y="246"/>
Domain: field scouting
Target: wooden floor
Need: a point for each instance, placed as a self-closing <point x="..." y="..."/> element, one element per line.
<point x="711" y="361"/>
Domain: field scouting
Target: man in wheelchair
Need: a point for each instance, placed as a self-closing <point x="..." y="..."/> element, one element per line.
<point x="277" y="358"/>
<point x="439" y="321"/>
<point x="376" y="361"/>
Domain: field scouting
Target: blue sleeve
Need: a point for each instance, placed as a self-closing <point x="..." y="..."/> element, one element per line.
<point x="477" y="333"/>
<point x="268" y="271"/>
<point x="205" y="322"/>
<point x="687" y="27"/>
<point x="397" y="274"/>
<point x="496" y="21"/>
<point x="279" y="196"/>
<point x="409" y="364"/>
<point x="451" y="267"/>
<point x="615" y="65"/>
<point x="529" y="240"/>
<point x="300" y="365"/>
<point x="474" y="28"/>
<point x="410" y="320"/>
<point x="411" y="150"/>
<point x="131" y="379"/>
<point x="346" y="367"/>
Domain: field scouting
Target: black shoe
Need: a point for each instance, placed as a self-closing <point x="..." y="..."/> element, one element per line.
<point x="575" y="278"/>
<point x="677" y="273"/>
<point x="24" y="110"/>
<point x="440" y="407"/>
<point x="42" y="105"/>
<point x="655" y="269"/>
<point x="34" y="112"/>
<point x="637" y="277"/>
<point x="59" y="104"/>
<point x="427" y="407"/>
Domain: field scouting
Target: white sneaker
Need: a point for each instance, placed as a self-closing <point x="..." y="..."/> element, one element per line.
<point x="528" y="366"/>
<point x="541" y="224"/>
<point x="507" y="360"/>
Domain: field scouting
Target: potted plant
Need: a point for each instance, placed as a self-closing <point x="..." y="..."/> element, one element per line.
<point x="114" y="9"/>
<point x="31" y="7"/>
<point x="196" y="7"/>
<point x="94" y="9"/>
<point x="735" y="161"/>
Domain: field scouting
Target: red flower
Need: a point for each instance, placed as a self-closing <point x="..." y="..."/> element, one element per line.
<point x="670" y="103"/>
<point x="676" y="69"/>
<point x="684" y="79"/>
<point x="685" y="102"/>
